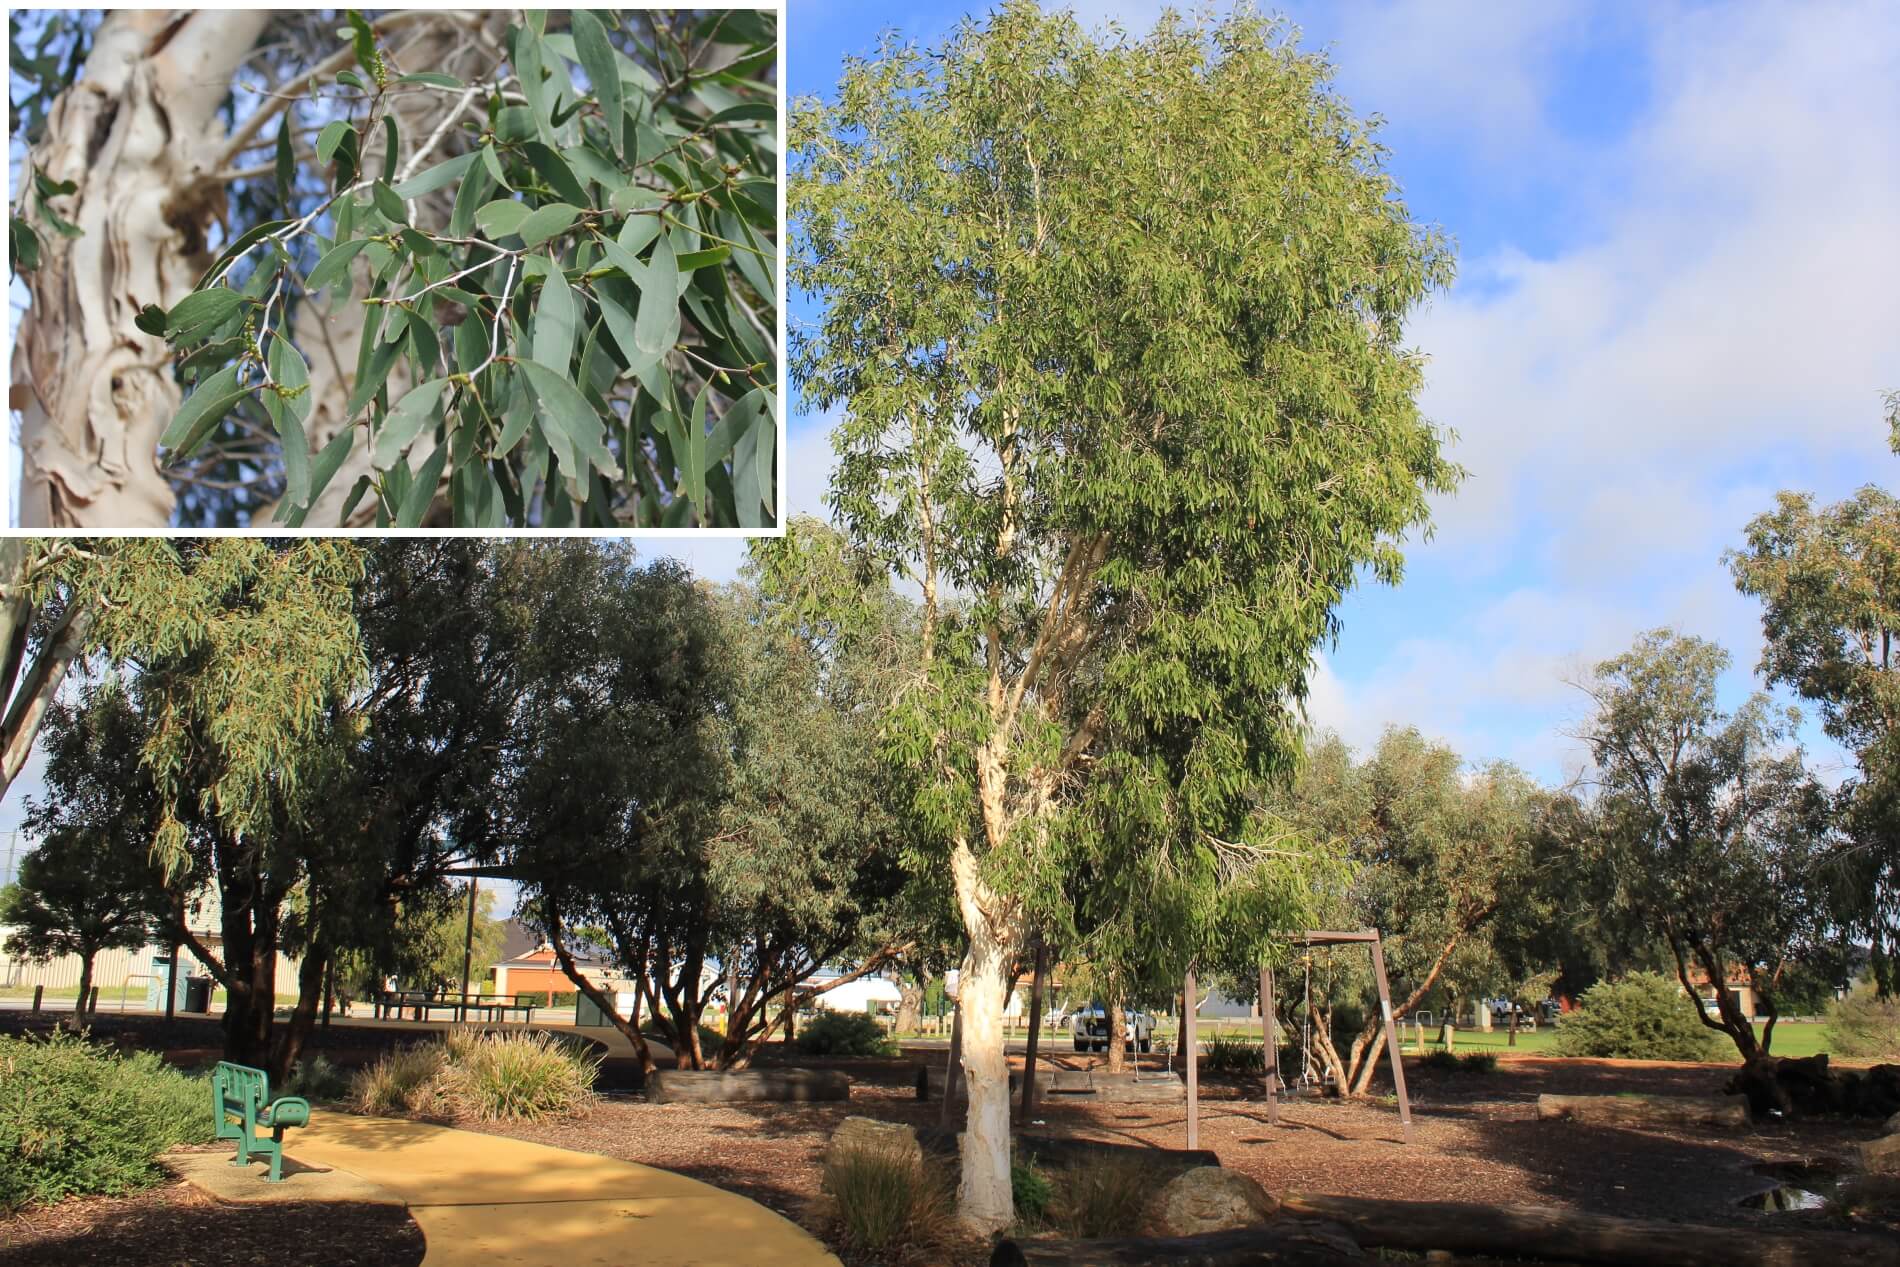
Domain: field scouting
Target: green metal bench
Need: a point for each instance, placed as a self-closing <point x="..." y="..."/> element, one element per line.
<point x="241" y="1092"/>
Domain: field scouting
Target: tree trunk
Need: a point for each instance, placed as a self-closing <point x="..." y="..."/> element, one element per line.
<point x="910" y="1007"/>
<point x="1037" y="985"/>
<point x="290" y="1038"/>
<point x="984" y="1198"/>
<point x="85" y="983"/>
<point x="140" y="137"/>
<point x="1117" y="1022"/>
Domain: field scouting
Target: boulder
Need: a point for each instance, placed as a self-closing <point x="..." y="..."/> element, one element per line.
<point x="1893" y="1125"/>
<point x="1881" y="1156"/>
<point x="1209" y="1199"/>
<point x="892" y="1140"/>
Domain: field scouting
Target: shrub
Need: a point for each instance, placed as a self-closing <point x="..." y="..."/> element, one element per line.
<point x="844" y="1034"/>
<point x="1439" y="1061"/>
<point x="1478" y="1062"/>
<point x="541" y="998"/>
<point x="76" y="1118"/>
<point x="315" y="1078"/>
<point x="1645" y="1016"/>
<point x="483" y="1075"/>
<point x="1105" y="1196"/>
<point x="1862" y="1025"/>
<point x="884" y="1201"/>
<point x="710" y="1039"/>
<point x="1031" y="1190"/>
<point x="1453" y="1062"/>
<point x="1230" y="1053"/>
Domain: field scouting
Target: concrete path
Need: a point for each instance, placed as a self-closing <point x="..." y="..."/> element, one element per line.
<point x="482" y="1199"/>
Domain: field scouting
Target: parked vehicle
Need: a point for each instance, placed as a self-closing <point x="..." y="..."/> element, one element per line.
<point x="1089" y="1027"/>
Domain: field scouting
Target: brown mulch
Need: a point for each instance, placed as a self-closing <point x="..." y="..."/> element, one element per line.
<point x="175" y="1225"/>
<point x="1475" y="1139"/>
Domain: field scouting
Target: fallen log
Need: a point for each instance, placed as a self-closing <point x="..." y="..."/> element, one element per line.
<point x="694" y="1086"/>
<point x="1281" y="1243"/>
<point x="1643" y="1110"/>
<point x="1565" y="1236"/>
<point x="1064" y="1153"/>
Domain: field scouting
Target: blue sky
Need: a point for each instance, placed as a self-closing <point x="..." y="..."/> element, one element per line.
<point x="1676" y="228"/>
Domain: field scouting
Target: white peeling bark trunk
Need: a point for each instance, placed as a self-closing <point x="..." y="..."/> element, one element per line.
<point x="984" y="1198"/>
<point x="139" y="135"/>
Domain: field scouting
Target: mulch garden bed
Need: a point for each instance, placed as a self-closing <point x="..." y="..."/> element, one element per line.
<point x="175" y="1225"/>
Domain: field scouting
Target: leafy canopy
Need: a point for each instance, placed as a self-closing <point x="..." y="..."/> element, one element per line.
<point x="571" y="291"/>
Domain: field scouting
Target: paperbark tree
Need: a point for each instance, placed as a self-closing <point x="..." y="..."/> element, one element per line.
<point x="206" y="188"/>
<point x="1131" y="439"/>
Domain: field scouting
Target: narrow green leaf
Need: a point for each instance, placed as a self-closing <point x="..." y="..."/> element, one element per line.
<point x="502" y="217"/>
<point x="629" y="199"/>
<point x="726" y="432"/>
<point x="392" y="143"/>
<point x="468" y="200"/>
<point x="432" y="79"/>
<point x="421" y="494"/>
<point x="202" y="411"/>
<point x="493" y="164"/>
<point x="288" y="370"/>
<point x="752" y="467"/>
<point x="240" y="244"/>
<point x="702" y="259"/>
<point x="334" y="264"/>
<point x="388" y="203"/>
<point x="363" y="40"/>
<point x="529" y="64"/>
<point x="572" y="428"/>
<point x="555" y="319"/>
<point x="152" y="320"/>
<point x="286" y="160"/>
<point x="404" y="423"/>
<point x="331" y="137"/>
<point x="598" y="59"/>
<point x="516" y="416"/>
<point x="554" y="169"/>
<point x="657" y="328"/>
<point x="322" y="471"/>
<point x="203" y="311"/>
<point x="427" y="182"/>
<point x="695" y="471"/>
<point x="752" y="112"/>
<point x="544" y="222"/>
<point x="375" y="373"/>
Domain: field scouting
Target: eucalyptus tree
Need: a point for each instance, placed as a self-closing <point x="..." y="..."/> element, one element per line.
<point x="1123" y="396"/>
<point x="1829" y="581"/>
<point x="470" y="267"/>
<point x="1709" y="831"/>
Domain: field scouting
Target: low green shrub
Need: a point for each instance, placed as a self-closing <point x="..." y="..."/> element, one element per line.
<point x="710" y="1039"/>
<point x="485" y="1075"/>
<point x="1455" y="1062"/>
<point x="883" y="1201"/>
<point x="844" y="1034"/>
<point x="1104" y="1196"/>
<point x="1864" y="1026"/>
<point x="1230" y="1053"/>
<point x="541" y="998"/>
<point x="1031" y="1190"/>
<point x="1478" y="1062"/>
<point x="315" y="1078"/>
<point x="1645" y="1016"/>
<point x="77" y="1118"/>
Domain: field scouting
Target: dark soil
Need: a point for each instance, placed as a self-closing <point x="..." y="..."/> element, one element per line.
<point x="177" y="1226"/>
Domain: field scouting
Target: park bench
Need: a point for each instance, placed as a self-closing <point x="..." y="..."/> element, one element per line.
<point x="422" y="1004"/>
<point x="241" y="1092"/>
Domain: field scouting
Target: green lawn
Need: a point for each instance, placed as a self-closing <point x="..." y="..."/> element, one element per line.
<point x="1792" y="1038"/>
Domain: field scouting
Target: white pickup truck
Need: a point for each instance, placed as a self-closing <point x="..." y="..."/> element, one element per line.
<point x="1089" y="1027"/>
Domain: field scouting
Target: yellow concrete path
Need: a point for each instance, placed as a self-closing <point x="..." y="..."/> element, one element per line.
<point x="482" y="1199"/>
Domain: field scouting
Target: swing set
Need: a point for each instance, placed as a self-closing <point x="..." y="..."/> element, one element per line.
<point x="1311" y="941"/>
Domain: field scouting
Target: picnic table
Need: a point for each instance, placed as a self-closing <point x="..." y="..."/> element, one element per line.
<point x="422" y="1004"/>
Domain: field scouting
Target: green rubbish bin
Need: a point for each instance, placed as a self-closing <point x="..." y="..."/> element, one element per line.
<point x="587" y="1014"/>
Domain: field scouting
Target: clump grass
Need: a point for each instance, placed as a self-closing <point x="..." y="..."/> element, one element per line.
<point x="1231" y="1053"/>
<point x="1031" y="1191"/>
<point x="1104" y="1196"/>
<point x="1442" y="1061"/>
<point x="490" y="1077"/>
<point x="316" y="1078"/>
<point x="885" y="1200"/>
<point x="1864" y="1026"/>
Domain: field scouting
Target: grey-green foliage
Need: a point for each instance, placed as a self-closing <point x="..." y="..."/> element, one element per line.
<point x="583" y="297"/>
<point x="78" y="1119"/>
<point x="1864" y="1026"/>
<point x="1642" y="1017"/>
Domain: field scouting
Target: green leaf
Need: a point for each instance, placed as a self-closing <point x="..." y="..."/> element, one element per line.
<point x="375" y="371"/>
<point x="572" y="428"/>
<point x="545" y="222"/>
<point x="631" y="198"/>
<point x="331" y="137"/>
<point x="421" y="494"/>
<point x="363" y="39"/>
<point x="427" y="182"/>
<point x="529" y="61"/>
<point x="657" y="328"/>
<point x="729" y="429"/>
<point x="516" y="416"/>
<point x="323" y="470"/>
<point x="432" y="79"/>
<point x="468" y="200"/>
<point x="759" y="112"/>
<point x="286" y="160"/>
<point x="695" y="471"/>
<point x="388" y="203"/>
<point x="151" y="319"/>
<point x="352" y="79"/>
<point x="203" y="311"/>
<point x="752" y="468"/>
<point x="701" y="259"/>
<point x="502" y="217"/>
<point x="404" y="423"/>
<point x="392" y="143"/>
<point x="554" y="169"/>
<point x="598" y="59"/>
<point x="555" y="320"/>
<point x="334" y="264"/>
<point x="288" y="370"/>
<point x="242" y="243"/>
<point x="493" y="164"/>
<point x="202" y="411"/>
<point x="25" y="244"/>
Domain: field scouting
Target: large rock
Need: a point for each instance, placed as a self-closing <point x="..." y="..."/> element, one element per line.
<point x="1893" y="1125"/>
<point x="694" y="1086"/>
<point x="1208" y="1199"/>
<point x="1881" y="1156"/>
<point x="893" y="1141"/>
